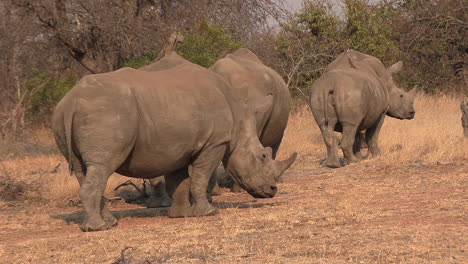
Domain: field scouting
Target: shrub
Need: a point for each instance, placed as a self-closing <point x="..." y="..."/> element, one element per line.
<point x="207" y="44"/>
<point x="46" y="91"/>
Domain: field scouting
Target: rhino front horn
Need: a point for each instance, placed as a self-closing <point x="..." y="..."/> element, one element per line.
<point x="285" y="164"/>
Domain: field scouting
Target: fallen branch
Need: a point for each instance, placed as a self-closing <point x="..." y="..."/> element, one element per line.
<point x="129" y="182"/>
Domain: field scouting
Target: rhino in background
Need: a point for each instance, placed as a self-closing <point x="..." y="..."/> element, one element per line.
<point x="355" y="94"/>
<point x="179" y="122"/>
<point x="250" y="81"/>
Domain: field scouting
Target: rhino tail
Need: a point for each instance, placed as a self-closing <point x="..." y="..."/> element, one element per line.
<point x="68" y="123"/>
<point x="329" y="99"/>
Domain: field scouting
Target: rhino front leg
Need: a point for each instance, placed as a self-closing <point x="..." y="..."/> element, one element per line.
<point x="372" y="136"/>
<point x="201" y="170"/>
<point x="347" y="143"/>
<point x="331" y="142"/>
<point x="178" y="187"/>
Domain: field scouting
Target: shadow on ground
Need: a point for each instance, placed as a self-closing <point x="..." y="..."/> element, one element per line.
<point x="78" y="216"/>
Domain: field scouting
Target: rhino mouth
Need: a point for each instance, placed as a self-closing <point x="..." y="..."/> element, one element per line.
<point x="270" y="193"/>
<point x="408" y="116"/>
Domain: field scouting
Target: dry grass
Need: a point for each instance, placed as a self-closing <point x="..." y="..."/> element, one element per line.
<point x="434" y="135"/>
<point x="401" y="207"/>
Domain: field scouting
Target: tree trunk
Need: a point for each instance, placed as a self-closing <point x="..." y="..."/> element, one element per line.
<point x="464" y="110"/>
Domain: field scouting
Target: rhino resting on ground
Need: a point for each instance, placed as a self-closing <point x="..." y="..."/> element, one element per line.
<point x="250" y="81"/>
<point x="179" y="122"/>
<point x="355" y="94"/>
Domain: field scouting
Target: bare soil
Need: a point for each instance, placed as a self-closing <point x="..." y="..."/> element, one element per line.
<point x="362" y="213"/>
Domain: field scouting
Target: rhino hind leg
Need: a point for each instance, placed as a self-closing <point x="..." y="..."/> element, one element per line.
<point x="202" y="169"/>
<point x="347" y="144"/>
<point x="92" y="188"/>
<point x="331" y="142"/>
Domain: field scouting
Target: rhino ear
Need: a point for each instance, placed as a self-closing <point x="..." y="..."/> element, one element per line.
<point x="413" y="91"/>
<point x="395" y="67"/>
<point x="262" y="105"/>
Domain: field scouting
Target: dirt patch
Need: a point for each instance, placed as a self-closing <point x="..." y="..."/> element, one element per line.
<point x="360" y="213"/>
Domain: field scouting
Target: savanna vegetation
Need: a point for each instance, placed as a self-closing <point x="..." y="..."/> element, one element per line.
<point x="405" y="206"/>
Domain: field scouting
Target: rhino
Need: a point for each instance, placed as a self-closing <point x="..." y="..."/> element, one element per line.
<point x="181" y="123"/>
<point x="354" y="94"/>
<point x="251" y="81"/>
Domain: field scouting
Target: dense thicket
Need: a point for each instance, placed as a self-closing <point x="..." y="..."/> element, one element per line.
<point x="46" y="45"/>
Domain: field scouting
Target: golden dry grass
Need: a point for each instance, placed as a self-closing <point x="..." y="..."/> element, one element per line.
<point x="406" y="206"/>
<point x="434" y="135"/>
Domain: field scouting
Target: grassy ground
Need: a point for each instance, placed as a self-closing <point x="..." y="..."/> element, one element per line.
<point x="405" y="206"/>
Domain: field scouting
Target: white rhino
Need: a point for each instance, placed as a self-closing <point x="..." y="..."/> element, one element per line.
<point x="250" y="81"/>
<point x="354" y="94"/>
<point x="179" y="122"/>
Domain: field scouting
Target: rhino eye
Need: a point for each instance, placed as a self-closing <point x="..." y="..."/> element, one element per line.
<point x="264" y="156"/>
<point x="401" y="96"/>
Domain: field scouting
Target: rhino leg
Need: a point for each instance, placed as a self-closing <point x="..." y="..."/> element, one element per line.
<point x="372" y="136"/>
<point x="106" y="215"/>
<point x="357" y="146"/>
<point x="213" y="186"/>
<point x="347" y="143"/>
<point x="92" y="188"/>
<point x="202" y="169"/>
<point x="178" y="188"/>
<point x="158" y="196"/>
<point x="331" y="142"/>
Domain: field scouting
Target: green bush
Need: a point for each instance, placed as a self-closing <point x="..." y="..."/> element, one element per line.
<point x="46" y="90"/>
<point x="207" y="44"/>
<point x="142" y="61"/>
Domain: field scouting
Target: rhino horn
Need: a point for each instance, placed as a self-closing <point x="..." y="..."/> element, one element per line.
<point x="285" y="164"/>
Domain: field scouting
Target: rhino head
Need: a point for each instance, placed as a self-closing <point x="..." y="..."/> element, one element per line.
<point x="248" y="162"/>
<point x="401" y="102"/>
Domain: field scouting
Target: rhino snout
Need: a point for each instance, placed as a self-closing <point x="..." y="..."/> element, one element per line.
<point x="267" y="192"/>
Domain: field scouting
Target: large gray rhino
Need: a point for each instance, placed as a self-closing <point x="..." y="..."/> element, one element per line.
<point x="354" y="94"/>
<point x="179" y="122"/>
<point x="251" y="81"/>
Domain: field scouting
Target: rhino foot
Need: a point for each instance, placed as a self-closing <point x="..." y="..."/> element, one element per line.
<point x="204" y="209"/>
<point x="216" y="191"/>
<point x="236" y="188"/>
<point x="350" y="160"/>
<point x="331" y="163"/>
<point x="180" y="211"/>
<point x="155" y="202"/>
<point x="93" y="224"/>
<point x="108" y="218"/>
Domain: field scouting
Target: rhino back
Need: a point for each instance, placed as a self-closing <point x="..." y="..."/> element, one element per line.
<point x="180" y="112"/>
<point x="251" y="81"/>
<point x="167" y="117"/>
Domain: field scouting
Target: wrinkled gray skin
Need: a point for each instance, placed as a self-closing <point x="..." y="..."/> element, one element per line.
<point x="251" y="81"/>
<point x="179" y="123"/>
<point x="353" y="95"/>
